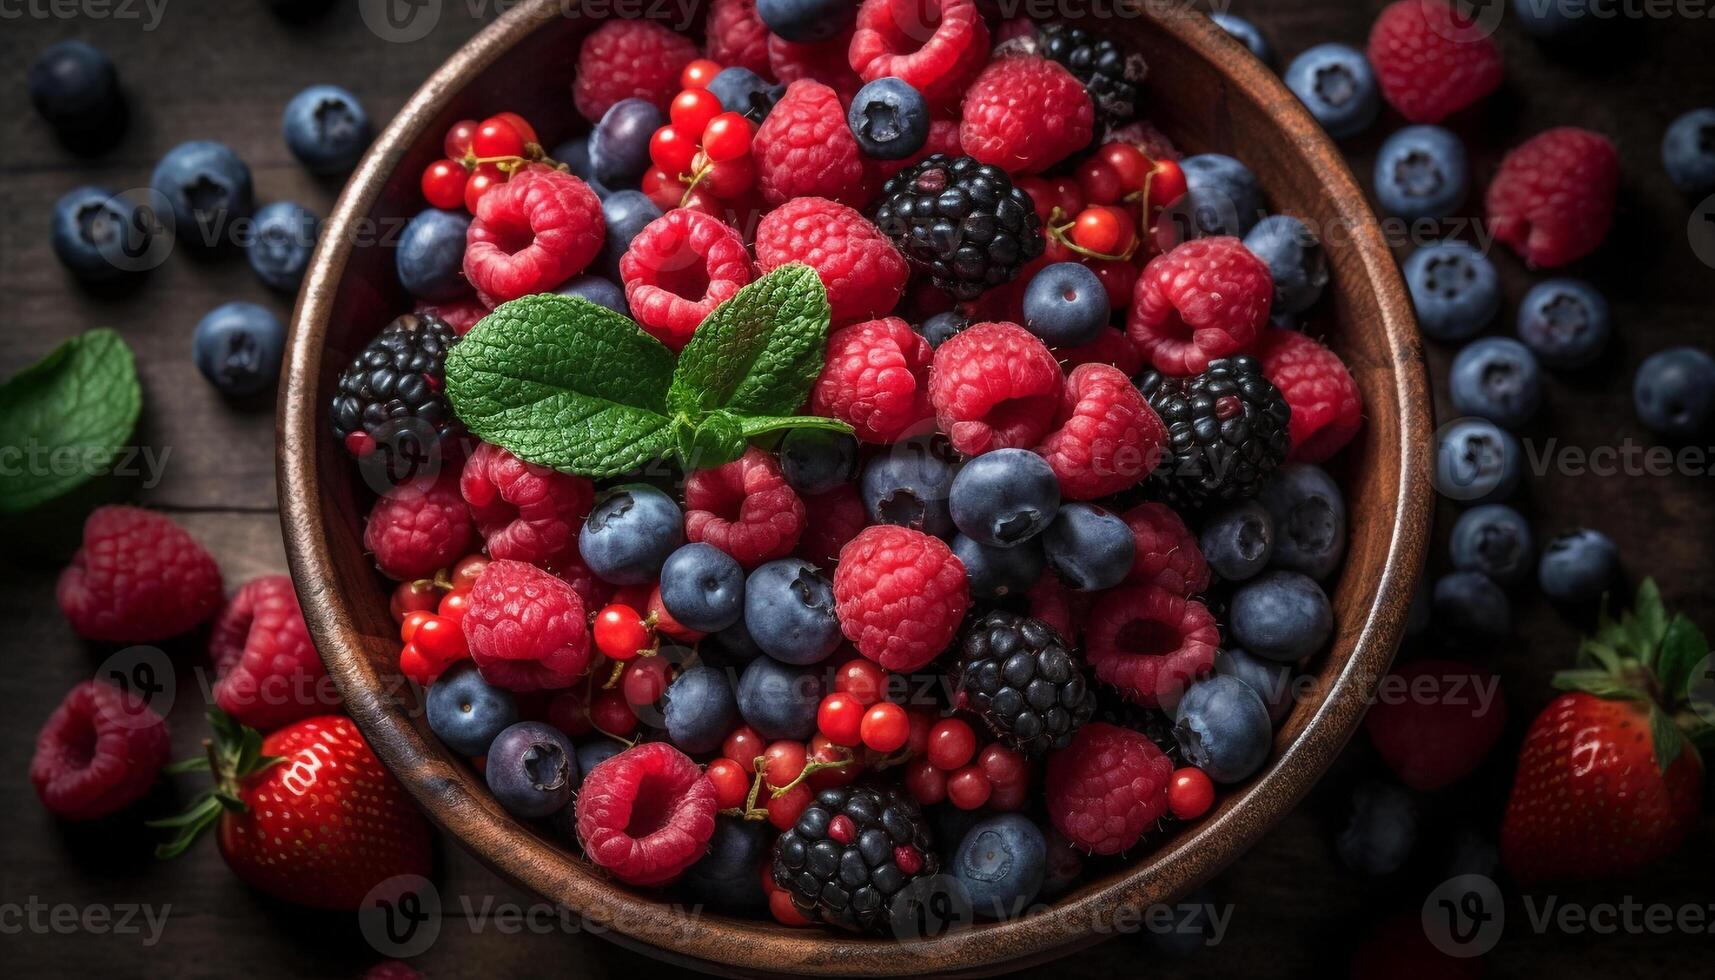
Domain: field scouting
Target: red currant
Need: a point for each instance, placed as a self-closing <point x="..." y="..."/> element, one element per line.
<point x="732" y="785"/>
<point x="783" y="762"/>
<point x="520" y="124"/>
<point x="497" y="137"/>
<point x="693" y="109"/>
<point x="780" y="904"/>
<point x="1006" y="798"/>
<point x="729" y="178"/>
<point x="620" y="633"/>
<point x="457" y="143"/>
<point x="823" y="750"/>
<point x="951" y="743"/>
<point x="698" y="74"/>
<point x="1003" y="766"/>
<point x="863" y="679"/>
<point x="673" y="148"/>
<point x="662" y="189"/>
<point x="467" y="570"/>
<point x="1190" y="793"/>
<point x="1128" y="164"/>
<point x="968" y="788"/>
<point x="454" y="605"/>
<point x="742" y="746"/>
<point x="645" y="680"/>
<point x="443" y="183"/>
<point x="485" y="176"/>
<point x="840" y="718"/>
<point x="415" y="666"/>
<point x="611" y="714"/>
<point x="665" y="624"/>
<point x="1107" y="231"/>
<point x="926" y="784"/>
<point x="1166" y="184"/>
<point x="1118" y="277"/>
<point x="922" y="719"/>
<point x="784" y="810"/>
<point x="1100" y="183"/>
<point x="440" y="640"/>
<point x="727" y="137"/>
<point x="413" y="621"/>
<point x="1040" y="196"/>
<point x="885" y="727"/>
<point x="413" y="596"/>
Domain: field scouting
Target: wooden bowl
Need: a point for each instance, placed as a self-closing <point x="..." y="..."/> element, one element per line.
<point x="1204" y="91"/>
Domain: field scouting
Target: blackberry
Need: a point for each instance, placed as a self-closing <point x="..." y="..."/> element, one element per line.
<point x="1108" y="72"/>
<point x="1019" y="676"/>
<point x="1226" y="432"/>
<point x="962" y="221"/>
<point x="851" y="852"/>
<point x="392" y="391"/>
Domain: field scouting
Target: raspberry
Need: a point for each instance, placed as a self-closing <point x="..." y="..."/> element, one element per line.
<point x="267" y="671"/>
<point x="890" y="41"/>
<point x="98" y="752"/>
<point x="737" y="36"/>
<point x="1431" y="62"/>
<point x="943" y="139"/>
<point x="1166" y="551"/>
<point x="1327" y="408"/>
<point x="818" y="61"/>
<point x="1553" y="198"/>
<point x="1150" y="642"/>
<point x="569" y="565"/>
<point x="1107" y="788"/>
<point x="1205" y="299"/>
<point x="900" y="595"/>
<point x="805" y="149"/>
<point x="624" y="59"/>
<point x="531" y="234"/>
<point x="1024" y="114"/>
<point x="646" y="814"/>
<point x="875" y="379"/>
<point x="526" y="628"/>
<point x="415" y="530"/>
<point x="744" y="508"/>
<point x="831" y="520"/>
<point x="863" y="272"/>
<point x="524" y="511"/>
<point x="1112" y="347"/>
<point x="994" y="386"/>
<point x="1106" y="437"/>
<point x="460" y="314"/>
<point x="679" y="268"/>
<point x="138" y="578"/>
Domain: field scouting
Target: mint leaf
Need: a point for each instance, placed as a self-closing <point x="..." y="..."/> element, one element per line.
<point x="1682" y="649"/>
<point x="1666" y="735"/>
<point x="759" y="352"/>
<point x="1649" y="623"/>
<point x="756" y="425"/>
<point x="712" y="440"/>
<point x="64" y="418"/>
<point x="563" y="382"/>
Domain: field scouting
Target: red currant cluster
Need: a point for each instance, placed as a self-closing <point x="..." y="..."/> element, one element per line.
<point x="479" y="156"/>
<point x="430" y="613"/>
<point x="954" y="771"/>
<point x="702" y="156"/>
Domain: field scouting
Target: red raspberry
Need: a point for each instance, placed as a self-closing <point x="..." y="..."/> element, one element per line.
<point x="900" y="595"/>
<point x="1107" y="787"/>
<point x="817" y="61"/>
<point x="1205" y="299"/>
<point x="935" y="46"/>
<point x="98" y="752"/>
<point x="414" y="530"/>
<point x="995" y="386"/>
<point x="1150" y="642"/>
<point x="737" y="36"/>
<point x="531" y="234"/>
<point x="526" y="628"/>
<point x="1112" y="347"/>
<point x="267" y="671"/>
<point x="524" y="511"/>
<point x="679" y="268"/>
<point x="1167" y="553"/>
<point x="805" y="149"/>
<point x="1431" y="62"/>
<point x="1106" y="438"/>
<point x="744" y="508"/>
<point x="646" y="814"/>
<point x="1024" y="114"/>
<point x="624" y="59"/>
<point x="831" y="520"/>
<point x="862" y="269"/>
<point x="1142" y="134"/>
<point x="570" y="566"/>
<point x="1553" y="198"/>
<point x="875" y="379"/>
<point x="460" y="314"/>
<point x="1327" y="408"/>
<point x="943" y="138"/>
<point x="138" y="578"/>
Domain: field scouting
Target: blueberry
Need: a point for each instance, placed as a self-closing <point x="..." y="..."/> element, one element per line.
<point x="600" y="291"/>
<point x="1309" y="516"/>
<point x="1223" y="728"/>
<point x="430" y="257"/>
<point x="1477" y="462"/>
<point x="238" y="347"/>
<point x="1005" y="497"/>
<point x="908" y="485"/>
<point x="1271" y="681"/>
<point x="1222" y="197"/>
<point x="466" y="712"/>
<point x="724" y="879"/>
<point x="1496" y="378"/>
<point x="1688" y="152"/>
<point x="994" y="571"/>
<point x="942" y="327"/>
<point x="1247" y="34"/>
<point x="283" y="235"/>
<point x="326" y="129"/>
<point x="1001" y="863"/>
<point x="1381" y="830"/>
<point x="75" y="87"/>
<point x="592" y="754"/>
<point x="805" y="21"/>
<point x="703" y="587"/>
<point x="1578" y="566"/>
<point x="1455" y="289"/>
<point x="815" y="460"/>
<point x="575" y="154"/>
<point x="619" y="144"/>
<point x="1674" y="392"/>
<point x="1238" y="539"/>
<point x="1336" y="84"/>
<point x="1295" y="261"/>
<point x="1091" y="548"/>
<point x="1421" y="173"/>
<point x="778" y="700"/>
<point x="1284" y="616"/>
<point x="531" y="769"/>
<point x="789" y="612"/>
<point x="207" y="186"/>
<point x="746" y="93"/>
<point x="733" y="645"/>
<point x="625" y="213"/>
<point x="1493" y="539"/>
<point x="1066" y="305"/>
<point x="889" y="119"/>
<point x="630" y="533"/>
<point x="1472" y="606"/>
<point x="1565" y="321"/>
<point x="97" y="234"/>
<point x="700" y="709"/>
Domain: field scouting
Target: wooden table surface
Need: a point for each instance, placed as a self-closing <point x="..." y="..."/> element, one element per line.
<point x="224" y="70"/>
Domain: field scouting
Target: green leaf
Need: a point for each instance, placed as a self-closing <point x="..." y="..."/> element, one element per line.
<point x="756" y="425"/>
<point x="1650" y="619"/>
<point x="65" y="419"/>
<point x="758" y="353"/>
<point x="712" y="440"/>
<point x="1668" y="740"/>
<point x="1597" y="682"/>
<point x="1683" y="649"/>
<point x="565" y="383"/>
<point x="1593" y="653"/>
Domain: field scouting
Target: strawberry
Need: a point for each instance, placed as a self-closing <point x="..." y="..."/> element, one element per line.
<point x="1435" y="721"/>
<point x="1607" y="782"/>
<point x="307" y="815"/>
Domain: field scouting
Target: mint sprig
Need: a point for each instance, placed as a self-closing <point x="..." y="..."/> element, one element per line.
<point x="64" y="419"/>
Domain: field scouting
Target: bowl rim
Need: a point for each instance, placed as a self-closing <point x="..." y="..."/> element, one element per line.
<point x="735" y="946"/>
